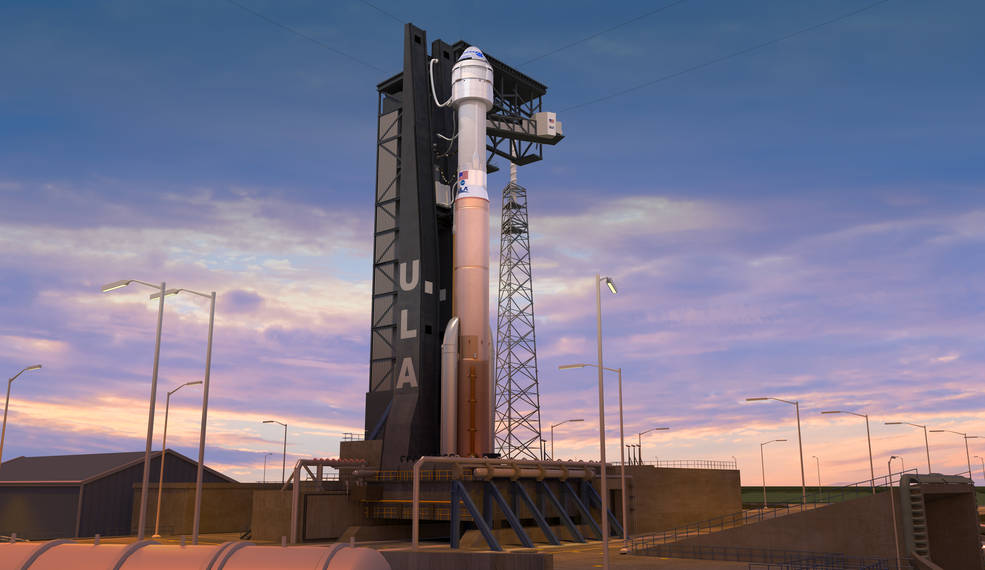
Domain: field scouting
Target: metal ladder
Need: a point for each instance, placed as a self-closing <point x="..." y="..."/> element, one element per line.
<point x="914" y="516"/>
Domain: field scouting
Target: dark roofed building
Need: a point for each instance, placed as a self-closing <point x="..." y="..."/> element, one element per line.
<point x="64" y="496"/>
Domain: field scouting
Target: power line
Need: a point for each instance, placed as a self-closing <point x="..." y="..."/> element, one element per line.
<point x="301" y="34"/>
<point x="605" y="31"/>
<point x="732" y="55"/>
<point x="382" y="11"/>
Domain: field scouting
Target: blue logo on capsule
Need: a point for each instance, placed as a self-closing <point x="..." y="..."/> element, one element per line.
<point x="471" y="53"/>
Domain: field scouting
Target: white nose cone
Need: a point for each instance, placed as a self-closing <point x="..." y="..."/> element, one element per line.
<point x="472" y="52"/>
<point x="471" y="79"/>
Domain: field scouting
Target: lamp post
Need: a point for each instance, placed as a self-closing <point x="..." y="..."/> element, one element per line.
<point x="639" y="439"/>
<point x="926" y="443"/>
<point x="892" y="509"/>
<point x="622" y="442"/>
<point x="762" y="461"/>
<point x="164" y="448"/>
<point x="3" y="431"/>
<point x="818" y="463"/>
<point x="265" y="456"/>
<point x="552" y="433"/>
<point x="800" y="443"/>
<point x="966" y="452"/>
<point x="603" y="484"/>
<point x="283" y="466"/>
<point x="868" y="438"/>
<point x="153" y="393"/>
<point x="979" y="457"/>
<point x="205" y="404"/>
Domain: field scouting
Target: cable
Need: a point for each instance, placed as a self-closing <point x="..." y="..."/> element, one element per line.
<point x="725" y="57"/>
<point x="302" y="35"/>
<point x="382" y="11"/>
<point x="431" y="77"/>
<point x="607" y="30"/>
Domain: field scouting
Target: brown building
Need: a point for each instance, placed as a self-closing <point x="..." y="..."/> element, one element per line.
<point x="64" y="496"/>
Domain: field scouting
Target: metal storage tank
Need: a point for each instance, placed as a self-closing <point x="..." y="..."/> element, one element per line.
<point x="149" y="555"/>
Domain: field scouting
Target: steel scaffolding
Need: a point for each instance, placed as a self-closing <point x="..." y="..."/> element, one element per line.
<point x="518" y="434"/>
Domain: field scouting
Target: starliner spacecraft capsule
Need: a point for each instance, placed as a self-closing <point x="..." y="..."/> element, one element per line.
<point x="467" y="385"/>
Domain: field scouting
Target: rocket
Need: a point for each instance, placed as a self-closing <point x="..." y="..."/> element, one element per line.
<point x="467" y="378"/>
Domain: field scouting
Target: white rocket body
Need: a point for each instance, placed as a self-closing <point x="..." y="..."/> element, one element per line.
<point x="468" y="429"/>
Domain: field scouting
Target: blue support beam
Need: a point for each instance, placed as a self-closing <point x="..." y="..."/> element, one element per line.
<point x="519" y="493"/>
<point x="487" y="506"/>
<point x="460" y="495"/>
<point x="511" y="517"/>
<point x="595" y="499"/>
<point x="545" y="492"/>
<point x="586" y="513"/>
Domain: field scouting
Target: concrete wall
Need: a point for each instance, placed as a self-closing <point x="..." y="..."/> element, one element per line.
<point x="368" y="450"/>
<point x="664" y="498"/>
<point x="226" y="507"/>
<point x="862" y="527"/>
<point x="952" y="525"/>
<point x="271" y="514"/>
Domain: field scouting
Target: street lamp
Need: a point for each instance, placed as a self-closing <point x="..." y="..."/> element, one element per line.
<point x="818" y="462"/>
<point x="762" y="461"/>
<point x="265" y="456"/>
<point x="639" y="439"/>
<point x="979" y="457"/>
<point x="552" y="434"/>
<point x="868" y="438"/>
<point x="205" y="403"/>
<point x="153" y="393"/>
<point x="892" y="509"/>
<point x="164" y="448"/>
<point x="622" y="440"/>
<point x="599" y="279"/>
<point x="3" y="431"/>
<point x="622" y="444"/>
<point x="800" y="444"/>
<point x="283" y="466"/>
<point x="926" y="443"/>
<point x="966" y="452"/>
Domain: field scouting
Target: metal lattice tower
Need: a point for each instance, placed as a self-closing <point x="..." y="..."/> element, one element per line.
<point x="518" y="434"/>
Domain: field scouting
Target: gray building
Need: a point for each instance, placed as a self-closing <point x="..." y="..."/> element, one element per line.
<point x="65" y="496"/>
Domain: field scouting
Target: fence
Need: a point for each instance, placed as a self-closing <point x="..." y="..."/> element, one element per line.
<point x="773" y="559"/>
<point x="693" y="464"/>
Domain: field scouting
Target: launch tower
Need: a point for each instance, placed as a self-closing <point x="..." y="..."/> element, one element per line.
<point x="413" y="285"/>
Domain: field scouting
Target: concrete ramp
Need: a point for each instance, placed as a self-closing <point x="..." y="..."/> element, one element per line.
<point x="937" y="516"/>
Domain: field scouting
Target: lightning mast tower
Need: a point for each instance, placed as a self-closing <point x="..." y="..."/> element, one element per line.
<point x="518" y="434"/>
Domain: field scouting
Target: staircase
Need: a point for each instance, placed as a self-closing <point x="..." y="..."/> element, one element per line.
<point x="914" y="518"/>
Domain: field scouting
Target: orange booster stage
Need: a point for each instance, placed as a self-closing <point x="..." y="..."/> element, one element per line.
<point x="467" y="381"/>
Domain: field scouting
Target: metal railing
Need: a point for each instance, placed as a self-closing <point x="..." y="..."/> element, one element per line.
<point x="401" y="510"/>
<point x="761" y="558"/>
<point x="431" y="475"/>
<point x="716" y="524"/>
<point x="349" y="436"/>
<point x="726" y="464"/>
